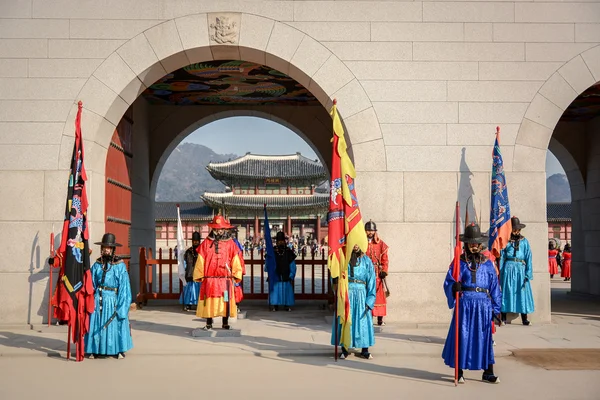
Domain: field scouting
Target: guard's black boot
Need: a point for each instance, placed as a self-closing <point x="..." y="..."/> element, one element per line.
<point x="226" y="323"/>
<point x="503" y="318"/>
<point x="344" y="354"/>
<point x="364" y="353"/>
<point x="461" y="378"/>
<point x="380" y="321"/>
<point x="209" y="323"/>
<point x="524" y="320"/>
<point x="488" y="375"/>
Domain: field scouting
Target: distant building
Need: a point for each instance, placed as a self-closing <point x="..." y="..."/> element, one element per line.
<point x="288" y="185"/>
<point x="558" y="216"/>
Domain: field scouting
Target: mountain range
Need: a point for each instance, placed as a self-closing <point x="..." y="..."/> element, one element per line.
<point x="185" y="178"/>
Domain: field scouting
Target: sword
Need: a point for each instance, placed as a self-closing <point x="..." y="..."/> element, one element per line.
<point x="112" y="317"/>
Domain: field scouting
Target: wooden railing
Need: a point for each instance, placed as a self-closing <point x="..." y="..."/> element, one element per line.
<point x="159" y="278"/>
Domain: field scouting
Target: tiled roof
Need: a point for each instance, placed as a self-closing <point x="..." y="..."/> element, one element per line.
<point x="318" y="202"/>
<point x="189" y="211"/>
<point x="253" y="166"/>
<point x="558" y="212"/>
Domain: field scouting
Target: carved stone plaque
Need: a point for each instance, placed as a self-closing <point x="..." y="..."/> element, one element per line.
<point x="224" y="28"/>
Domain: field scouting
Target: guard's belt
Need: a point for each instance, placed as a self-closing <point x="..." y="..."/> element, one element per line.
<point x="475" y="289"/>
<point x="352" y="280"/>
<point x="515" y="259"/>
<point x="112" y="289"/>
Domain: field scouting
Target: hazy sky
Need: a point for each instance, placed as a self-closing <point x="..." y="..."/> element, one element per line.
<point x="239" y="135"/>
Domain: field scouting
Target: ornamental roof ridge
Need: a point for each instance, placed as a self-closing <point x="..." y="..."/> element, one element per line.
<point x="257" y="166"/>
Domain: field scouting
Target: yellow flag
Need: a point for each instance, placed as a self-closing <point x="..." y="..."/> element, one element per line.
<point x="345" y="226"/>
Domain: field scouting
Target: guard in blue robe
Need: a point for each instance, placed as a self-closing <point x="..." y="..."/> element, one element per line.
<point x="479" y="302"/>
<point x="109" y="333"/>
<point x="282" y="292"/>
<point x="191" y="290"/>
<point x="362" y="291"/>
<point x="516" y="272"/>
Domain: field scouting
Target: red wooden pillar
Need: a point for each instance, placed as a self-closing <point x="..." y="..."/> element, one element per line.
<point x="289" y="226"/>
<point x="256" y="229"/>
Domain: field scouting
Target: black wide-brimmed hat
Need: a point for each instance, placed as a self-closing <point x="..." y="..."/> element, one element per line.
<point x="109" y="240"/>
<point x="473" y="235"/>
<point x="370" y="226"/>
<point x="280" y="236"/>
<point x="196" y="236"/>
<point x="516" y="224"/>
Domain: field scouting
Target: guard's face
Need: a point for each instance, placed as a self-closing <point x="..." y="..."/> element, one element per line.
<point x="516" y="231"/>
<point x="281" y="243"/>
<point x="355" y="248"/>
<point x="474" y="247"/>
<point x="195" y="243"/>
<point x="106" y="251"/>
<point x="370" y="234"/>
<point x="219" y="232"/>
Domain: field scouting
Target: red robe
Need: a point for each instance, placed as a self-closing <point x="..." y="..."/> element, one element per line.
<point x="378" y="253"/>
<point x="565" y="271"/>
<point x="216" y="291"/>
<point x="552" y="264"/>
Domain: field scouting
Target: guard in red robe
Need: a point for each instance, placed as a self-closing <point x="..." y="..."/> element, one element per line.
<point x="378" y="253"/>
<point x="218" y="267"/>
<point x="565" y="271"/>
<point x="552" y="263"/>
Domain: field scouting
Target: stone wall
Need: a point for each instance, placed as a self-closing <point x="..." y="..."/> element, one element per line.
<point x="421" y="87"/>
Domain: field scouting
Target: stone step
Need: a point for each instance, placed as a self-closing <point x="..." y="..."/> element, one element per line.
<point x="216" y="332"/>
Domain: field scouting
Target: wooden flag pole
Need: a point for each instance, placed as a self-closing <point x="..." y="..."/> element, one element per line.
<point x="51" y="268"/>
<point x="456" y="276"/>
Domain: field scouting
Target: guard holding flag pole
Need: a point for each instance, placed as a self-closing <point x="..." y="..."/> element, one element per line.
<point x="109" y="333"/>
<point x="347" y="244"/>
<point x="480" y="299"/>
<point x="191" y="291"/>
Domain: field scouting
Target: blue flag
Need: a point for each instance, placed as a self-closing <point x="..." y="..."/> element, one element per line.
<point x="500" y="224"/>
<point x="270" y="262"/>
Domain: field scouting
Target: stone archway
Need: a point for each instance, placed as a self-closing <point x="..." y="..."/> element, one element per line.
<point x="127" y="72"/>
<point x="543" y="129"/>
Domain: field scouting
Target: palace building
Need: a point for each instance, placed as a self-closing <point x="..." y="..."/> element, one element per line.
<point x="286" y="184"/>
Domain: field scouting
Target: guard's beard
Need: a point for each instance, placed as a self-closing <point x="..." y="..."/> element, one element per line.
<point x="515" y="236"/>
<point x="354" y="257"/>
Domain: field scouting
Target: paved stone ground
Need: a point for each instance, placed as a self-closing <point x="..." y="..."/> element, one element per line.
<point x="291" y="351"/>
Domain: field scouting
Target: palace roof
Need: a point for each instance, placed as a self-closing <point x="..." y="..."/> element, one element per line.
<point x="558" y="212"/>
<point x="256" y="202"/>
<point x="190" y="211"/>
<point x="254" y="166"/>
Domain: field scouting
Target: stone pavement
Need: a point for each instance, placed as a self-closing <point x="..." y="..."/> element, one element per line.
<point x="287" y="355"/>
<point x="166" y="330"/>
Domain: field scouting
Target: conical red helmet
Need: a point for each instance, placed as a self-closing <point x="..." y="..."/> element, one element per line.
<point x="219" y="222"/>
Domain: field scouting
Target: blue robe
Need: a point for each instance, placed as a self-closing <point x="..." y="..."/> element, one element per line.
<point x="476" y="311"/>
<point x="189" y="295"/>
<point x="116" y="337"/>
<point x="360" y="295"/>
<point x="282" y="293"/>
<point x="516" y="270"/>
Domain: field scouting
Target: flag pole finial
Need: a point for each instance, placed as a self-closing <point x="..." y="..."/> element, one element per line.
<point x="334" y="102"/>
<point x="177" y="205"/>
<point x="79" y="104"/>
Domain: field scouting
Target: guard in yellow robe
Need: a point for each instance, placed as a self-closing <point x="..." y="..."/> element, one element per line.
<point x="218" y="267"/>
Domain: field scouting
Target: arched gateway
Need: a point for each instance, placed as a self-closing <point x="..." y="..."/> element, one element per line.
<point x="420" y="116"/>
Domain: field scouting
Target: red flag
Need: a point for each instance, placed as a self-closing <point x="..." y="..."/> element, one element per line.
<point x="345" y="226"/>
<point x="74" y="296"/>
